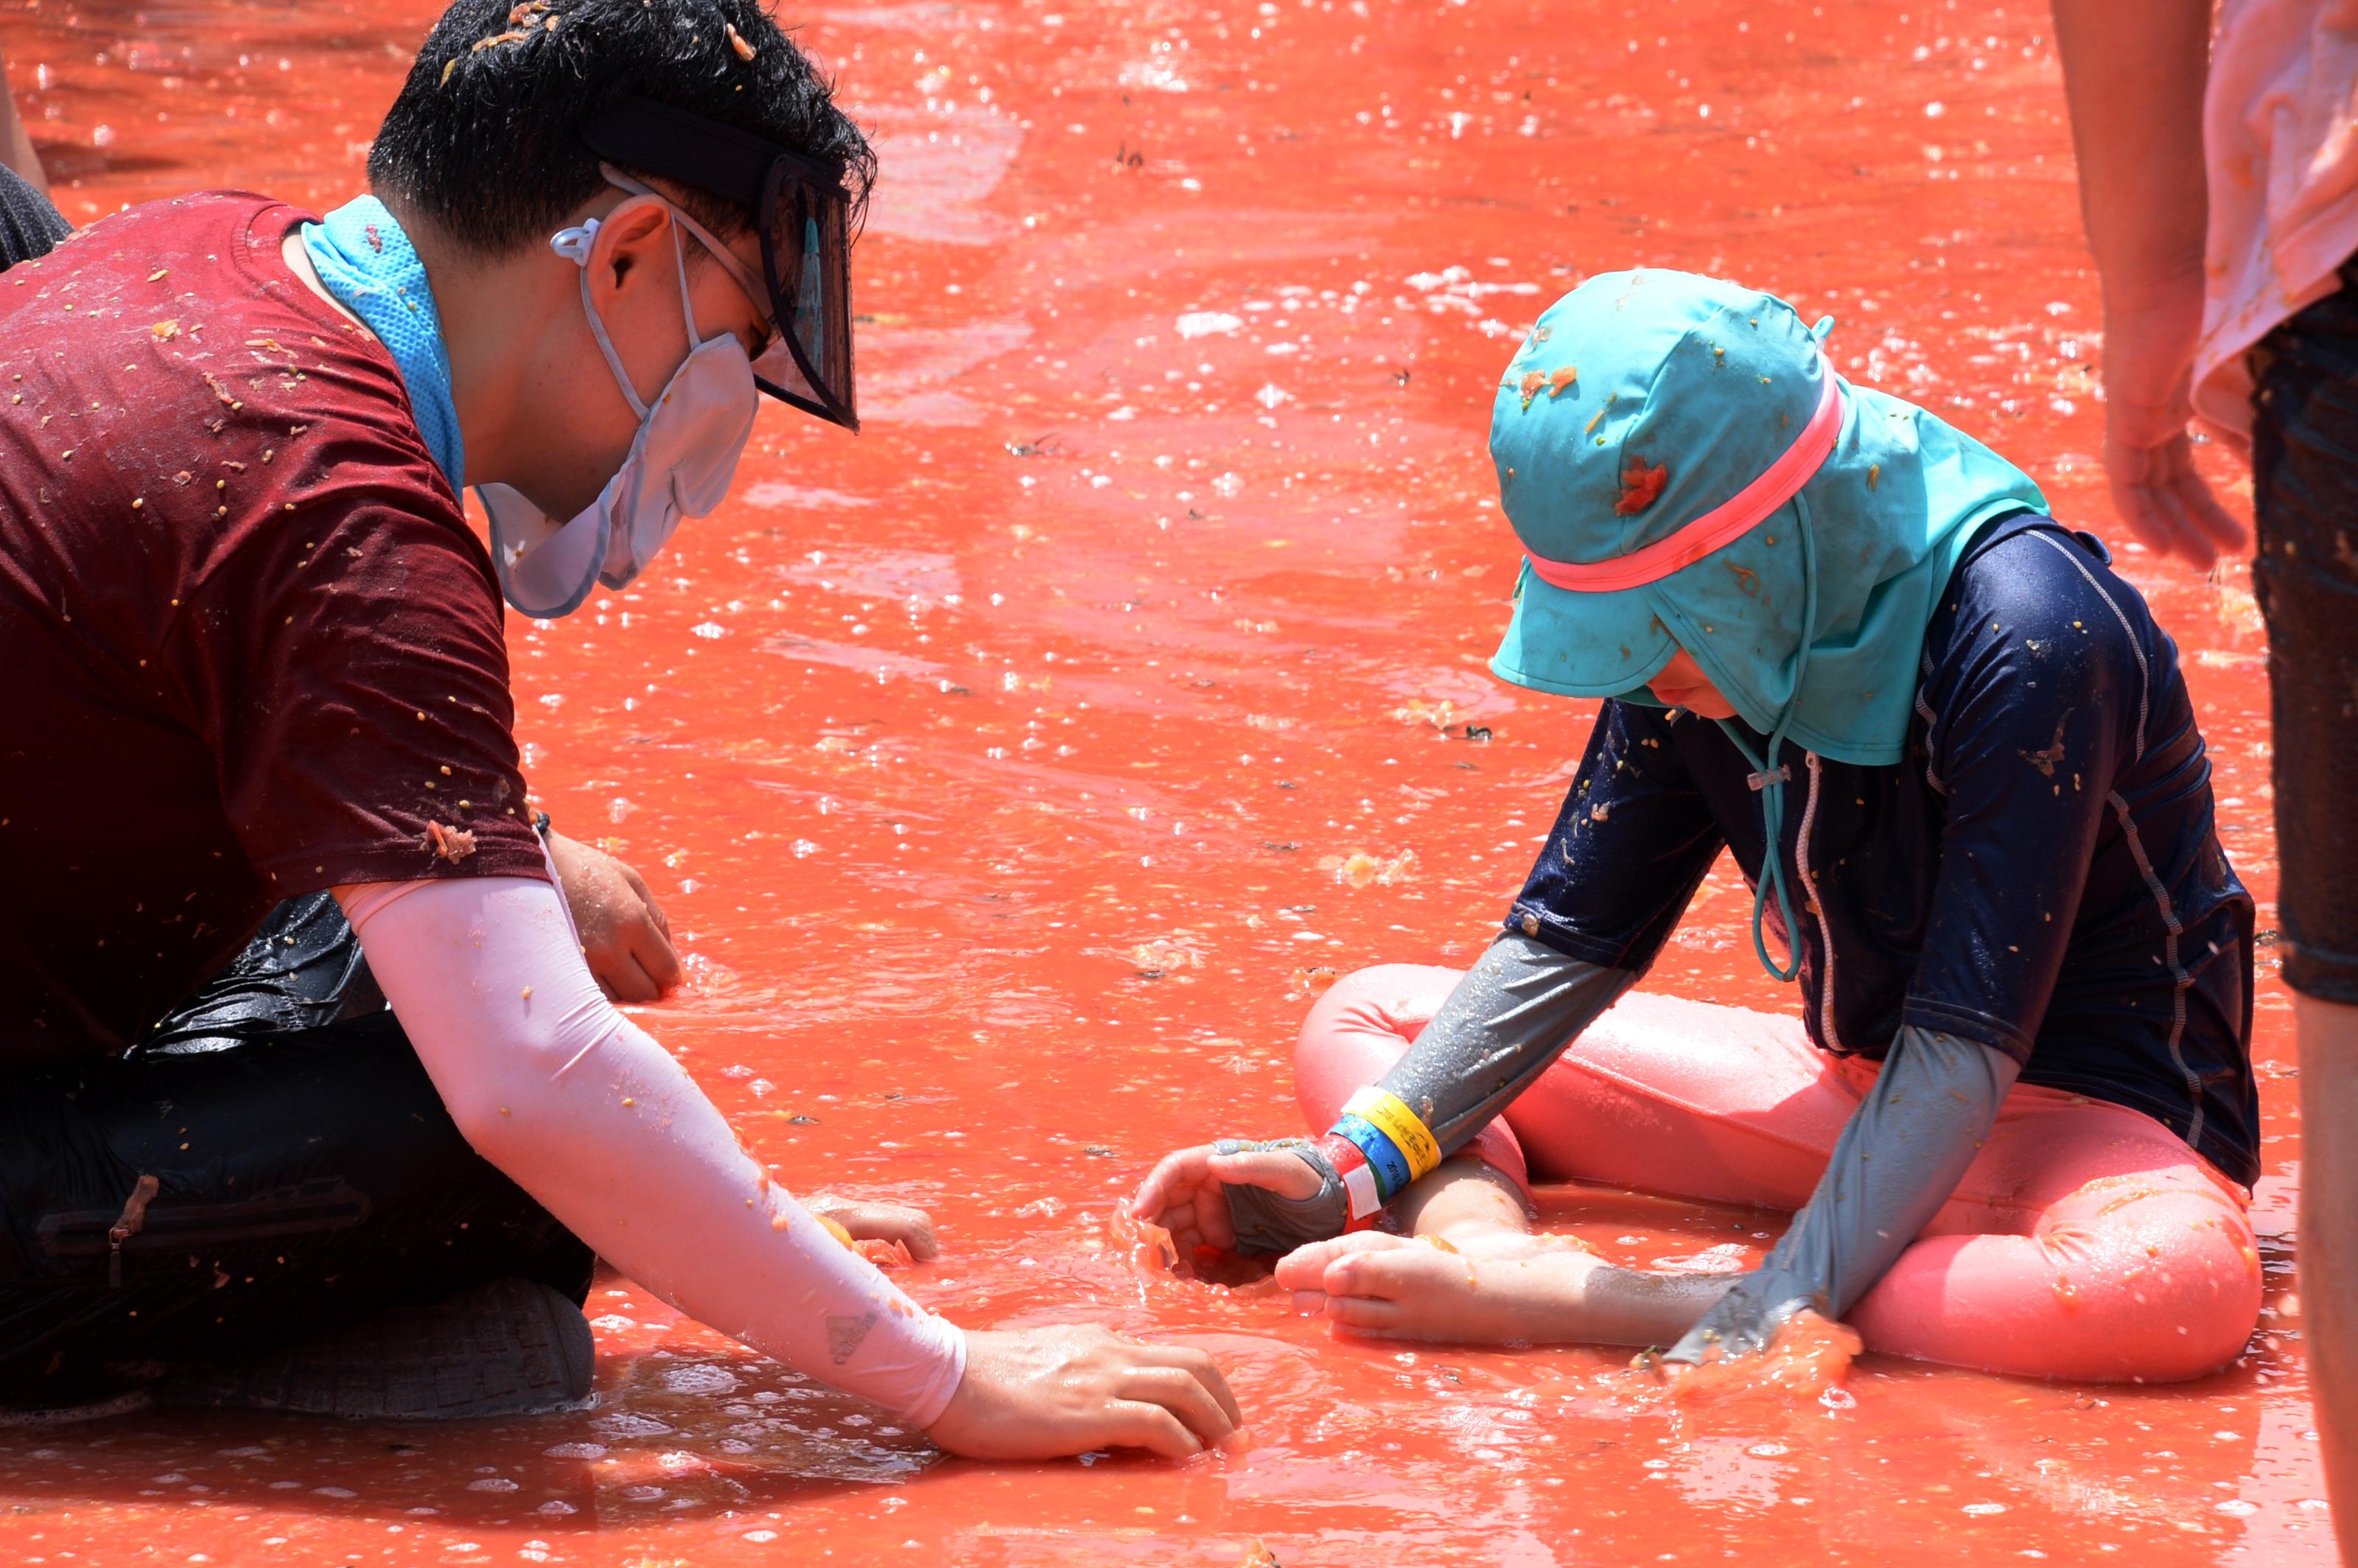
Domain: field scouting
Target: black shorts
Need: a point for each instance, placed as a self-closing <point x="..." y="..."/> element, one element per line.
<point x="2305" y="498"/>
<point x="307" y="1175"/>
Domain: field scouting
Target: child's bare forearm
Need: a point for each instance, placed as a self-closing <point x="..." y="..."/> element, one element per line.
<point x="1463" y="1197"/>
<point x="1639" y="1308"/>
<point x="1567" y="1296"/>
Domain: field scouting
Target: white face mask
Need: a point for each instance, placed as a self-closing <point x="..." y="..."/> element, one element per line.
<point x="680" y="464"/>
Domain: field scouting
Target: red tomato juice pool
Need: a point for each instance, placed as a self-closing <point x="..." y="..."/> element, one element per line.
<point x="1015" y="769"/>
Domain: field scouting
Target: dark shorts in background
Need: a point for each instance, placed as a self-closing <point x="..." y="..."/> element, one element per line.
<point x="2305" y="498"/>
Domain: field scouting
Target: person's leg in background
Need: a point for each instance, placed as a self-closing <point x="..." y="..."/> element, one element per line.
<point x="2305" y="575"/>
<point x="2329" y="1232"/>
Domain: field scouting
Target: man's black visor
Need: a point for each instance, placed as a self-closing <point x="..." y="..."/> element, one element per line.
<point x="804" y="217"/>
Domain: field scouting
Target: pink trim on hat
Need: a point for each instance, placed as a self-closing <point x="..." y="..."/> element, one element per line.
<point x="1722" y="524"/>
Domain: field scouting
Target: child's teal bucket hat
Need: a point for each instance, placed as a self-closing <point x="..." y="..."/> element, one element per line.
<point x="1683" y="468"/>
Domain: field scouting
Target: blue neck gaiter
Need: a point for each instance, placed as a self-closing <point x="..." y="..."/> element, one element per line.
<point x="369" y="264"/>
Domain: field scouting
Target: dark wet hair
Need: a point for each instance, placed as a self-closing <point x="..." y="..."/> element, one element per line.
<point x="483" y="140"/>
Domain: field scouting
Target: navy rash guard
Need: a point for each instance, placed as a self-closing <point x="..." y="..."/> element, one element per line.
<point x="2041" y="873"/>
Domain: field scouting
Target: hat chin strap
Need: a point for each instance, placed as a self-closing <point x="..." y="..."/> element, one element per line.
<point x="1771" y="780"/>
<point x="1781" y="481"/>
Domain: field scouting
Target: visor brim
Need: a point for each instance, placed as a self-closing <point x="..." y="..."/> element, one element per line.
<point x="777" y="374"/>
<point x="804" y="214"/>
<point x="806" y="265"/>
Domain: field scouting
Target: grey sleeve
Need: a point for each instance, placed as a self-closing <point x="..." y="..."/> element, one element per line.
<point x="1899" y="1159"/>
<point x="1502" y="1026"/>
<point x="1514" y="1012"/>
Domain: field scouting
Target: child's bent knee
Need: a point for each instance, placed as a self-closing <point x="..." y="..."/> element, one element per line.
<point x="2156" y="1291"/>
<point x="1395" y="1000"/>
<point x="1359" y="1029"/>
<point x="2189" y="1296"/>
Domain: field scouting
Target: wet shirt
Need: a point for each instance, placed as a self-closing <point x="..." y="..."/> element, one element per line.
<point x="251" y="648"/>
<point x="2042" y="873"/>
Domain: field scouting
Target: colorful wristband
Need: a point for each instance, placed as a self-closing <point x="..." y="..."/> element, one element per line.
<point x="1362" y="1200"/>
<point x="1418" y="1150"/>
<point x="1383" y="1156"/>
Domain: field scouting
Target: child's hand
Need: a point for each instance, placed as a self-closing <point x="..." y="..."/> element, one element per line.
<point x="1303" y="1270"/>
<point x="1187" y="1192"/>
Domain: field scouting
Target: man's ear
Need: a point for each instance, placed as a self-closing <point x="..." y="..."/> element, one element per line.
<point x="627" y="247"/>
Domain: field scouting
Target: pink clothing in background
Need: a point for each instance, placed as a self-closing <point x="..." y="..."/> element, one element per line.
<point x="2282" y="150"/>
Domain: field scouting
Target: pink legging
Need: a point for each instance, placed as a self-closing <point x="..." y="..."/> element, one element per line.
<point x="2085" y="1242"/>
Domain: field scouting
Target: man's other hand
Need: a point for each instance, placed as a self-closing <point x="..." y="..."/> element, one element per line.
<point x="865" y="1220"/>
<point x="624" y="935"/>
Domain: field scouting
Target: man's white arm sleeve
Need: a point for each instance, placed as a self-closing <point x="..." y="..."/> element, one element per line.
<point x="584" y="1110"/>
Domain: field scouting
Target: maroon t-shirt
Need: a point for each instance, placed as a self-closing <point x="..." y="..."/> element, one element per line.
<point x="249" y="647"/>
